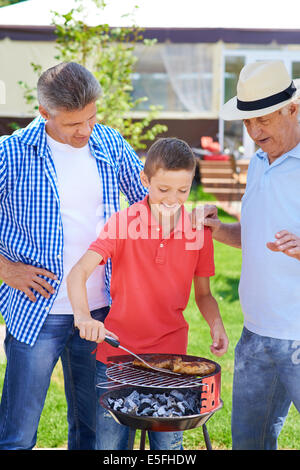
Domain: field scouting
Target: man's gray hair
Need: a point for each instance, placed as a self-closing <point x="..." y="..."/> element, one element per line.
<point x="285" y="109"/>
<point x="67" y="86"/>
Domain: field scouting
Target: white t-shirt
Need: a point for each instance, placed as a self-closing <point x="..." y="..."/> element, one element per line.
<point x="80" y="194"/>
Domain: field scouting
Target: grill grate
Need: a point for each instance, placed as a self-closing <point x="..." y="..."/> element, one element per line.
<point x="126" y="374"/>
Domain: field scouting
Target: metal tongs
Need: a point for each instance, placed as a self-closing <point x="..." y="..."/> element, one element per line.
<point x="116" y="344"/>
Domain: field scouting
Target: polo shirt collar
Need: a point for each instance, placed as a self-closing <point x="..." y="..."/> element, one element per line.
<point x="184" y="221"/>
<point x="260" y="154"/>
<point x="294" y="152"/>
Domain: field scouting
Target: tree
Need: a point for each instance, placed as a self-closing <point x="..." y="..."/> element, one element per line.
<point x="109" y="54"/>
<point x="4" y="3"/>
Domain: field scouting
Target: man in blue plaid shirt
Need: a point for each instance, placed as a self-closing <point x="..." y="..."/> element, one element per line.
<point x="60" y="180"/>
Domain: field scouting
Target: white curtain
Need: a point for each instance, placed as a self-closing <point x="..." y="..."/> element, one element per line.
<point x="190" y="71"/>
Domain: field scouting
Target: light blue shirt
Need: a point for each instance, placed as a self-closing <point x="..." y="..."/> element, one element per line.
<point x="270" y="281"/>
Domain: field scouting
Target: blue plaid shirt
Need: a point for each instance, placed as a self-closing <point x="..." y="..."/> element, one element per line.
<point x="30" y="220"/>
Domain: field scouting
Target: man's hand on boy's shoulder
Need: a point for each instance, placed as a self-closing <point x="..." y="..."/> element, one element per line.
<point x="205" y="215"/>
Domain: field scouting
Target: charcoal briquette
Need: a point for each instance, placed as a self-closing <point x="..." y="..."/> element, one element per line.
<point x="147" y="412"/>
<point x="143" y="406"/>
<point x="178" y="395"/>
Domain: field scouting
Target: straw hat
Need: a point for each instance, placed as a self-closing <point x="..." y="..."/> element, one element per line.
<point x="263" y="87"/>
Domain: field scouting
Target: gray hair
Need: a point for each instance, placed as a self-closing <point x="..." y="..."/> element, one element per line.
<point x="285" y="109"/>
<point x="68" y="86"/>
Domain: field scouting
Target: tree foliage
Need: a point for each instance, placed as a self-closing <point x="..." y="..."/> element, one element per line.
<point x="4" y="3"/>
<point x="109" y="54"/>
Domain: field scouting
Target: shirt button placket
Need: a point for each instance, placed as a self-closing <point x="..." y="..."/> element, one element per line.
<point x="161" y="252"/>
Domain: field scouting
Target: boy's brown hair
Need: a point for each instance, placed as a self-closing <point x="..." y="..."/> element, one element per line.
<point x="169" y="153"/>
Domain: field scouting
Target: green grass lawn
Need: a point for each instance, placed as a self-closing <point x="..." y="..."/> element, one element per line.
<point x="53" y="426"/>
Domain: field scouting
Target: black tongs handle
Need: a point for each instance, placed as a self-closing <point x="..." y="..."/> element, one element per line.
<point x="112" y="341"/>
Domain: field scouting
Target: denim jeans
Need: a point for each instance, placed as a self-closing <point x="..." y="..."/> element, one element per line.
<point x="111" y="435"/>
<point x="266" y="382"/>
<point x="27" y="378"/>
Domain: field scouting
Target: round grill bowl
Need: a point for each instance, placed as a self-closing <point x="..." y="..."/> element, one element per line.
<point x="150" y="423"/>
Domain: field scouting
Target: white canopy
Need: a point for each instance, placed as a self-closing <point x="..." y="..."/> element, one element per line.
<point x="257" y="14"/>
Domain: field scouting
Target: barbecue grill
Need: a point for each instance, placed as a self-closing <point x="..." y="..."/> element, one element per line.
<point x="124" y="378"/>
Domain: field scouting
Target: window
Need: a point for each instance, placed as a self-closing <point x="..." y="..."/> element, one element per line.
<point x="295" y="69"/>
<point x="178" y="77"/>
<point x="233" y="130"/>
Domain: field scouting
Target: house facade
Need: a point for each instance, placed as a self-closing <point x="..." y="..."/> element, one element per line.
<point x="190" y="71"/>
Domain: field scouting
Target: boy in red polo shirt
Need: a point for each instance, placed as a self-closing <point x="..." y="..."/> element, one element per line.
<point x="156" y="255"/>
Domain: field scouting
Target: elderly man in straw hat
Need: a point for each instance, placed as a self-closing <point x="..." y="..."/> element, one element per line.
<point x="267" y="356"/>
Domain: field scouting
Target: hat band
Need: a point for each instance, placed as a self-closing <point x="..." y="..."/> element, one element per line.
<point x="267" y="102"/>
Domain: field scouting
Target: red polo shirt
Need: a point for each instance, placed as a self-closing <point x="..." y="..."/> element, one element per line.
<point x="151" y="279"/>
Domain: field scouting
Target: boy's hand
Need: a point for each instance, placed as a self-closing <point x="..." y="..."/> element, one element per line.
<point x="92" y="330"/>
<point x="220" y="339"/>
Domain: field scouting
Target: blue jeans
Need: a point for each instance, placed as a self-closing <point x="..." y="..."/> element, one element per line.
<point x="111" y="435"/>
<point x="266" y="382"/>
<point x="27" y="378"/>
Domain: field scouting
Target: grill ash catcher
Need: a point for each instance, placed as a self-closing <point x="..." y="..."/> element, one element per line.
<point x="150" y="400"/>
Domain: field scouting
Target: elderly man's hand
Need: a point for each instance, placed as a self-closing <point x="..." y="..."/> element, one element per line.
<point x="286" y="243"/>
<point x="206" y="215"/>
